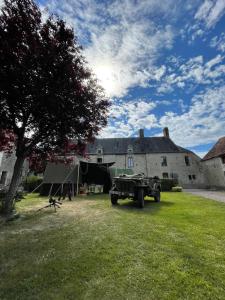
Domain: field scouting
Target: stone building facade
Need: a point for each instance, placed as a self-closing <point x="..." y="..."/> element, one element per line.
<point x="6" y="168"/>
<point x="214" y="165"/>
<point x="7" y="163"/>
<point x="153" y="156"/>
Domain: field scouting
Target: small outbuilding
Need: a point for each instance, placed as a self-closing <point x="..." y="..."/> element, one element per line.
<point x="214" y="163"/>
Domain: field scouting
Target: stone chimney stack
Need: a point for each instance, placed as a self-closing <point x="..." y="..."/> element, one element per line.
<point x="141" y="133"/>
<point x="166" y="132"/>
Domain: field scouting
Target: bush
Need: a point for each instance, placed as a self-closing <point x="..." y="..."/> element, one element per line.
<point x="32" y="182"/>
<point x="168" y="184"/>
<point x="177" y="189"/>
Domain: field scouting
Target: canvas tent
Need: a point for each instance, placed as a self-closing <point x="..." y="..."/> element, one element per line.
<point x="58" y="174"/>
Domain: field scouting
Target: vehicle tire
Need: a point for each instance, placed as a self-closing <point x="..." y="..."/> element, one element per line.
<point x="141" y="201"/>
<point x="157" y="196"/>
<point x="114" y="199"/>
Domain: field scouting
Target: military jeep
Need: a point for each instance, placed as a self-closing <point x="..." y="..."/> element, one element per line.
<point x="135" y="187"/>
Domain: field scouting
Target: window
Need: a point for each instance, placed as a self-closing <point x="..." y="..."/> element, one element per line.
<point x="130" y="149"/>
<point x="3" y="177"/>
<point x="99" y="150"/>
<point x="165" y="175"/>
<point x="99" y="160"/>
<point x="187" y="160"/>
<point x="174" y="175"/>
<point x="130" y="162"/>
<point x="192" y="177"/>
<point x="223" y="159"/>
<point x="164" y="161"/>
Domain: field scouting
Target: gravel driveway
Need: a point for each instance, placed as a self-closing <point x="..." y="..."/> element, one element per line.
<point x="214" y="195"/>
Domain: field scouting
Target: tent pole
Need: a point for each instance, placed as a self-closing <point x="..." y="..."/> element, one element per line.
<point x="73" y="190"/>
<point x="50" y="192"/>
<point x="78" y="175"/>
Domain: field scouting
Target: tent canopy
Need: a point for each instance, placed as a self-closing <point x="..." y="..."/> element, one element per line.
<point x="59" y="172"/>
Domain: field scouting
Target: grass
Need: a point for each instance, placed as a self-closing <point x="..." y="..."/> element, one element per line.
<point x="91" y="250"/>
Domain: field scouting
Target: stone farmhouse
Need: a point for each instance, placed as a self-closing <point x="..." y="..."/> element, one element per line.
<point x="153" y="156"/>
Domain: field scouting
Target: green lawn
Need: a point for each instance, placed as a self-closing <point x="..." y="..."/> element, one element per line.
<point x="90" y="250"/>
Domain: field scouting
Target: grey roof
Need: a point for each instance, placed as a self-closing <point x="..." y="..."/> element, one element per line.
<point x="140" y="145"/>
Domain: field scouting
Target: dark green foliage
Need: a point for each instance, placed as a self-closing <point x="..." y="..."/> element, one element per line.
<point x="167" y="184"/>
<point x="32" y="182"/>
<point x="48" y="95"/>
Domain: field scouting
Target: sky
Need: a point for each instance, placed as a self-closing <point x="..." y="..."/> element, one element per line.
<point x="161" y="63"/>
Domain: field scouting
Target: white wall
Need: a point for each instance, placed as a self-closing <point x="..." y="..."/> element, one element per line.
<point x="7" y="163"/>
<point x="1" y="155"/>
<point x="215" y="172"/>
<point x="150" y="165"/>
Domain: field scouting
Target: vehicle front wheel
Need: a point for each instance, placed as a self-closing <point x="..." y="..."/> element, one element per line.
<point x="114" y="199"/>
<point x="141" y="201"/>
<point x="157" y="196"/>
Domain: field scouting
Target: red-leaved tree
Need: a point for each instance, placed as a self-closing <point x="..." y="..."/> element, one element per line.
<point x="48" y="95"/>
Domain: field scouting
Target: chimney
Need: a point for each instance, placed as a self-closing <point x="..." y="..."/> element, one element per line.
<point x="141" y="133"/>
<point x="166" y="132"/>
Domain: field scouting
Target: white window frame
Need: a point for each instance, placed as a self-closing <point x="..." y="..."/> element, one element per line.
<point x="130" y="162"/>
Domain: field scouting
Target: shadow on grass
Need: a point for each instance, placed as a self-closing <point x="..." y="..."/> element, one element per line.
<point x="150" y="206"/>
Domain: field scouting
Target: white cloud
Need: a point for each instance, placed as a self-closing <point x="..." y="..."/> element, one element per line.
<point x="203" y="123"/>
<point x="127" y="117"/>
<point x="207" y="15"/>
<point x="218" y="42"/>
<point x="210" y="12"/>
<point x="124" y="57"/>
<point x="193" y="73"/>
<point x="122" y="39"/>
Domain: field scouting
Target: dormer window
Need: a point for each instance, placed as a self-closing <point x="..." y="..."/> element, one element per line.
<point x="99" y="150"/>
<point x="130" y="149"/>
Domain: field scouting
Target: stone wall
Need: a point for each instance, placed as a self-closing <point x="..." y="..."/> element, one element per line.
<point x="7" y="163"/>
<point x="151" y="165"/>
<point x="215" y="173"/>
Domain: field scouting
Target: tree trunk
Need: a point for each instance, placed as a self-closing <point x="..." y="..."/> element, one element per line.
<point x="8" y="202"/>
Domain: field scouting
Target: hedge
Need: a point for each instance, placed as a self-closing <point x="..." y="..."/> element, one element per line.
<point x="167" y="184"/>
<point x="32" y="182"/>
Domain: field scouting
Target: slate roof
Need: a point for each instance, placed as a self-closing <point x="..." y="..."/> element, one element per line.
<point x="139" y="145"/>
<point x="217" y="150"/>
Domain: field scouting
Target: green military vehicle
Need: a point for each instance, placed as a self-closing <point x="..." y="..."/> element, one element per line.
<point x="136" y="187"/>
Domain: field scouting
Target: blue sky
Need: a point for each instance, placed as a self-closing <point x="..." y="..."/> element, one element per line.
<point x="162" y="63"/>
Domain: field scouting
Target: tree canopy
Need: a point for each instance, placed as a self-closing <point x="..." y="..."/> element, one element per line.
<point x="48" y="94"/>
